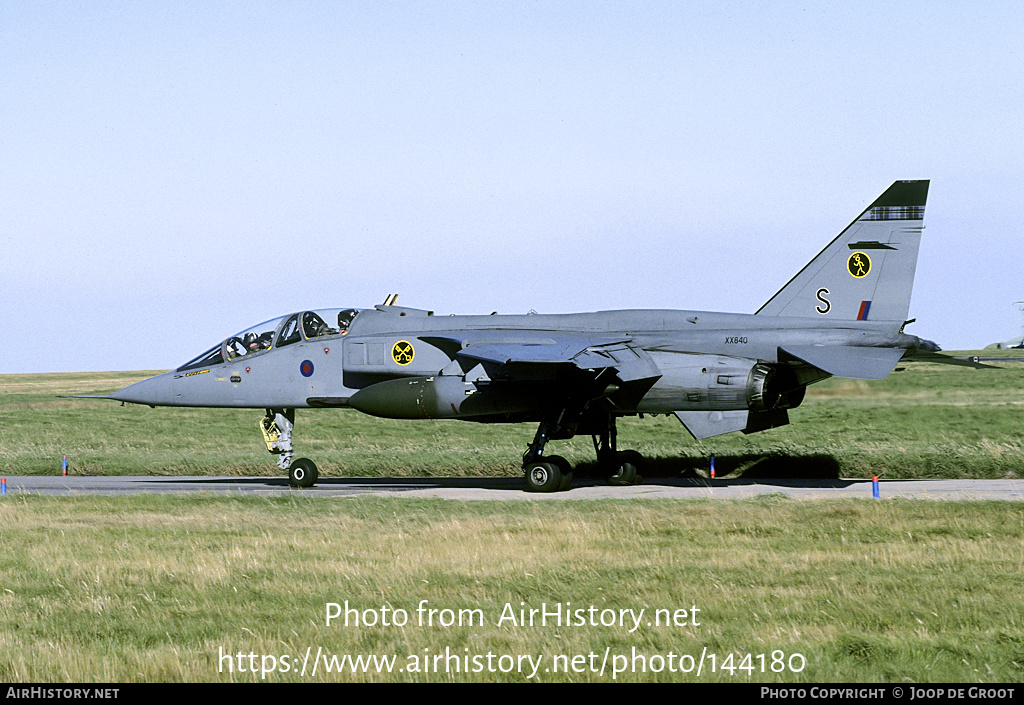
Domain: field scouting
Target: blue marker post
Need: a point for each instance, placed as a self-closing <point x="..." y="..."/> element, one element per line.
<point x="64" y="466"/>
<point x="3" y="485"/>
<point x="712" y="467"/>
<point x="874" y="486"/>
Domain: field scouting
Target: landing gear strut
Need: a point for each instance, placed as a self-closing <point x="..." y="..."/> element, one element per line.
<point x="546" y="474"/>
<point x="277" y="433"/>
<point x="553" y="473"/>
<point x="620" y="467"/>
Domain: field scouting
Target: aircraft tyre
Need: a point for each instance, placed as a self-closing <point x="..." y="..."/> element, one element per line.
<point x="302" y="473"/>
<point x="566" y="469"/>
<point x="625" y="472"/>
<point x="552" y="474"/>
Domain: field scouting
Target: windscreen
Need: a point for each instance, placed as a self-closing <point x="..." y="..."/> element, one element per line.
<point x="308" y="325"/>
<point x="247" y="342"/>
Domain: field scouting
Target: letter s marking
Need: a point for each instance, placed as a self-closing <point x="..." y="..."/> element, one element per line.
<point x="820" y="295"/>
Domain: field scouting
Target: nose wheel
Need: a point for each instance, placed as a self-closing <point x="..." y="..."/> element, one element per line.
<point x="277" y="434"/>
<point x="302" y="473"/>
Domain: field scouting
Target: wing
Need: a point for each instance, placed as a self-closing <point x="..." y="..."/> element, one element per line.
<point x="580" y="365"/>
<point x="583" y="353"/>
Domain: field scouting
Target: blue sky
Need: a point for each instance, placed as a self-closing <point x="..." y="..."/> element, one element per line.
<point x="171" y="173"/>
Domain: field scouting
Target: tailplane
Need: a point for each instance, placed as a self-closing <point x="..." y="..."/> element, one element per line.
<point x="867" y="272"/>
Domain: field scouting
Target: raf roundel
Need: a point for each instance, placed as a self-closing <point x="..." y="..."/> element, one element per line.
<point x="306" y="368"/>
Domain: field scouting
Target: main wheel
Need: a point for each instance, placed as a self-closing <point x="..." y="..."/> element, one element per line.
<point x="625" y="470"/>
<point x="302" y="473"/>
<point x="543" y="476"/>
<point x="566" y="469"/>
<point x="624" y="474"/>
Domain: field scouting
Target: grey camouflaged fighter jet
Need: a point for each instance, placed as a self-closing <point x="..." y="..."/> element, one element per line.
<point x="842" y="315"/>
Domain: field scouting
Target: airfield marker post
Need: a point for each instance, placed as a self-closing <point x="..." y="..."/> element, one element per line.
<point x="3" y="485"/>
<point x="712" y="467"/>
<point x="64" y="466"/>
<point x="874" y="487"/>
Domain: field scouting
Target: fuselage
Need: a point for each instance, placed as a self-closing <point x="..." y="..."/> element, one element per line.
<point x="693" y="350"/>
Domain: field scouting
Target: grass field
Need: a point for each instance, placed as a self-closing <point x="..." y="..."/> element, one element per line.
<point x="926" y="420"/>
<point x="213" y="588"/>
<point x="159" y="588"/>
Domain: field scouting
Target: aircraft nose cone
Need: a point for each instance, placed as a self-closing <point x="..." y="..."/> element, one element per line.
<point x="155" y="391"/>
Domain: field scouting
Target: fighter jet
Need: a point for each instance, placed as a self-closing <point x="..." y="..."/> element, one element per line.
<point x="842" y="315"/>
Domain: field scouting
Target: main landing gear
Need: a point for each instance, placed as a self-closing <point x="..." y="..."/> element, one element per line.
<point x="544" y="473"/>
<point x="553" y="473"/>
<point x="277" y="433"/>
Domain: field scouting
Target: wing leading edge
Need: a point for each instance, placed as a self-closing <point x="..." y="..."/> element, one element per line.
<point x="516" y="358"/>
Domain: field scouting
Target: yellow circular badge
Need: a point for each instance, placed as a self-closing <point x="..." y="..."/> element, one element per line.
<point x="859" y="265"/>
<point x="402" y="352"/>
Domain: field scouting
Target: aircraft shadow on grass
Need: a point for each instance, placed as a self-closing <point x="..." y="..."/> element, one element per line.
<point x="741" y="468"/>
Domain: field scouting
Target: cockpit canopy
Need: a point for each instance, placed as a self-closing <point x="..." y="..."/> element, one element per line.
<point x="277" y="333"/>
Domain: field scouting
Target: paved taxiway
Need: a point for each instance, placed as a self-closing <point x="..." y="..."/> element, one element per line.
<point x="512" y="488"/>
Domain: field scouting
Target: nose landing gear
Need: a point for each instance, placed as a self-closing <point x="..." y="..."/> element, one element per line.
<point x="276" y="427"/>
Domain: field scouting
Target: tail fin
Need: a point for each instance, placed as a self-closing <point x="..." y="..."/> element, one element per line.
<point x="867" y="272"/>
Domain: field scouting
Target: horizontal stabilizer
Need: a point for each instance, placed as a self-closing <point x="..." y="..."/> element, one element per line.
<point x="941" y="359"/>
<point x="705" y="424"/>
<point x="846" y="361"/>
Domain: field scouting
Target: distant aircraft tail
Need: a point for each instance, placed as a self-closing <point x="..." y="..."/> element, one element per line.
<point x="867" y="272"/>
